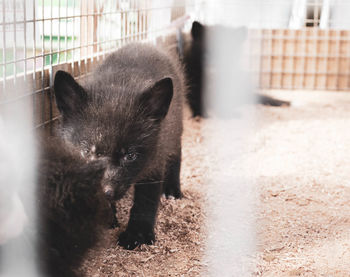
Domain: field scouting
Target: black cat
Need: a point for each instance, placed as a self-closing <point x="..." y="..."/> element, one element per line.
<point x="130" y="112"/>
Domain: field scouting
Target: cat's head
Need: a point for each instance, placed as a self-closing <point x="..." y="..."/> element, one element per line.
<point x="123" y="127"/>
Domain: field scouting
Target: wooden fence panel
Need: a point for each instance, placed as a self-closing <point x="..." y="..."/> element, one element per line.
<point x="310" y="58"/>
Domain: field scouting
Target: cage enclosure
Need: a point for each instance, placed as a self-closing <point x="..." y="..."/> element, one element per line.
<point x="265" y="148"/>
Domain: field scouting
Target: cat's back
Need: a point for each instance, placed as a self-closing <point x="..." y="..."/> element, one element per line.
<point x="138" y="57"/>
<point x="136" y="66"/>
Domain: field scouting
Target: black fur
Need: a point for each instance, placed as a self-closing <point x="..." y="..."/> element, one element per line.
<point x="194" y="64"/>
<point x="130" y="113"/>
<point x="194" y="60"/>
<point x="71" y="210"/>
<point x="270" y="101"/>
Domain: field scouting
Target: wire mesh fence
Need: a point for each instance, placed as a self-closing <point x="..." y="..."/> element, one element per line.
<point x="295" y="44"/>
<point x="305" y="59"/>
<point x="38" y="37"/>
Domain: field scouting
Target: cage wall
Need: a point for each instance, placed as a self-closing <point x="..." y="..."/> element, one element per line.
<point x="39" y="37"/>
<point x="309" y="50"/>
<point x="304" y="59"/>
<point x="294" y="44"/>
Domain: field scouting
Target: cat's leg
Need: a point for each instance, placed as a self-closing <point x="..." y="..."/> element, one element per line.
<point x="114" y="219"/>
<point x="112" y="211"/>
<point x="195" y="101"/>
<point x="140" y="228"/>
<point x="172" y="178"/>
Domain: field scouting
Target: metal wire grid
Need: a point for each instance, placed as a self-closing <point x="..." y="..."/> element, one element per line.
<point x="41" y="36"/>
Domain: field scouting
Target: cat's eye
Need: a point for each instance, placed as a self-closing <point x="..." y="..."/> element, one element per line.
<point x="84" y="152"/>
<point x="130" y="156"/>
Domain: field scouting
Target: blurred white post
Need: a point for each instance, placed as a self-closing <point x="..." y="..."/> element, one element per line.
<point x="297" y="19"/>
<point x="17" y="157"/>
<point x="231" y="196"/>
<point x="17" y="186"/>
<point x="230" y="93"/>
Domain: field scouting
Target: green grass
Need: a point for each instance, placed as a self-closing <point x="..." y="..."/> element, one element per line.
<point x="56" y="3"/>
<point x="53" y="59"/>
<point x="9" y="67"/>
<point x="55" y="38"/>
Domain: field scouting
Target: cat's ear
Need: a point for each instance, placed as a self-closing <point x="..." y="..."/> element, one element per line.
<point x="155" y="100"/>
<point x="197" y="30"/>
<point x="70" y="96"/>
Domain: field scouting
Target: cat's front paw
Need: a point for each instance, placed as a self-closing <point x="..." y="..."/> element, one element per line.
<point x="133" y="237"/>
<point x="173" y="192"/>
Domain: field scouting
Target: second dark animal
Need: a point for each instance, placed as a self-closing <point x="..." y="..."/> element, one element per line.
<point x="130" y="112"/>
<point x="72" y="208"/>
<point x="71" y="211"/>
<point x="196" y="51"/>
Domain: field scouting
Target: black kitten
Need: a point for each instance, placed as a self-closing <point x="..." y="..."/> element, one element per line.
<point x="130" y="112"/>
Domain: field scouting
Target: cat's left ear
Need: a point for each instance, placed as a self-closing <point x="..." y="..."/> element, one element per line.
<point x="155" y="100"/>
<point x="70" y="96"/>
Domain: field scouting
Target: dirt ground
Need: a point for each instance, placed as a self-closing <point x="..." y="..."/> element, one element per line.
<point x="304" y="181"/>
<point x="299" y="157"/>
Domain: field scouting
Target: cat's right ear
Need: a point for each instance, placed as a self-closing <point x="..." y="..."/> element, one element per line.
<point x="70" y="96"/>
<point x="155" y="100"/>
<point x="197" y="30"/>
